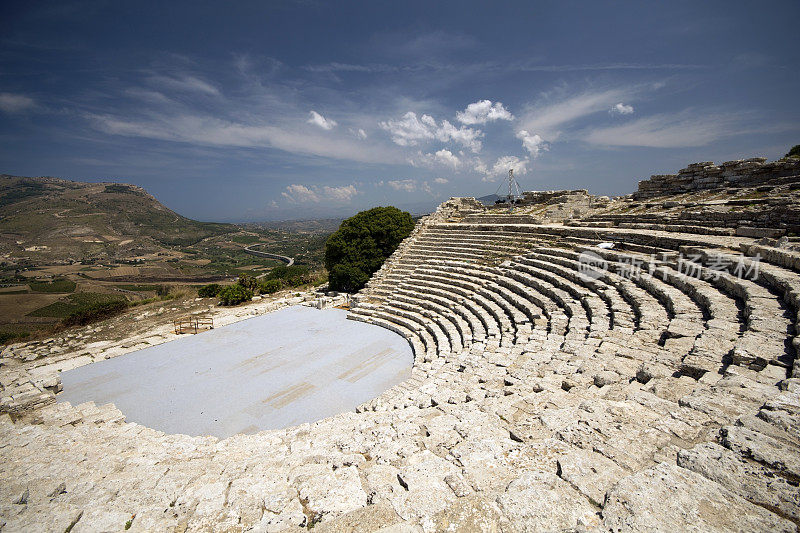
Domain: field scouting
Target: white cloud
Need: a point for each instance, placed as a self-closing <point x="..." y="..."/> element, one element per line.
<point x="318" y="120"/>
<point x="622" y="109"/>
<point x="300" y="194"/>
<point x="532" y="143"/>
<point x="359" y="133"/>
<point x="446" y="157"/>
<point x="441" y="181"/>
<point x="410" y="131"/>
<point x="502" y="166"/>
<point x="440" y="158"/>
<point x="483" y="111"/>
<point x="14" y="103"/>
<point x="341" y="194"/>
<point x="403" y="185"/>
<point x="684" y="129"/>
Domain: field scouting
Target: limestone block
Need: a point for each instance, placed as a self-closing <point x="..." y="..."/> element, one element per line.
<point x="539" y="501"/>
<point x="751" y="481"/>
<point x="670" y="498"/>
<point x="590" y="473"/>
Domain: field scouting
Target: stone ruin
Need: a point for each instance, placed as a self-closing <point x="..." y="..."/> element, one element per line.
<point x="658" y="393"/>
<point x="701" y="176"/>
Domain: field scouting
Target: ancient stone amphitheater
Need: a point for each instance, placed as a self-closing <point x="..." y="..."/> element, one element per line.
<point x="649" y="387"/>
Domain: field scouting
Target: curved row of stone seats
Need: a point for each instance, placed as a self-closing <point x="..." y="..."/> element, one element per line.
<point x="479" y="318"/>
<point x="621" y="313"/>
<point x="648" y="238"/>
<point x="458" y="329"/>
<point x="678" y="324"/>
<point x="497" y="324"/>
<point x="788" y="259"/>
<point x="667" y="316"/>
<point x="597" y="310"/>
<point x="420" y="340"/>
<point x="577" y="323"/>
<point x="660" y="223"/>
<point x="472" y="327"/>
<point x="770" y="334"/>
<point x="653" y="317"/>
<point x="738" y="340"/>
<point x="678" y="228"/>
<point x="766" y="343"/>
<point x="704" y="325"/>
<point x="518" y="311"/>
<point x="427" y="320"/>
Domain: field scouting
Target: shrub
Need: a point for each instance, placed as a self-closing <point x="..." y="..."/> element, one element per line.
<point x="270" y="286"/>
<point x="209" y="291"/>
<point x="234" y="294"/>
<point x="162" y="290"/>
<point x="794" y="152"/>
<point x="248" y="282"/>
<point x="293" y="276"/>
<point x="361" y="245"/>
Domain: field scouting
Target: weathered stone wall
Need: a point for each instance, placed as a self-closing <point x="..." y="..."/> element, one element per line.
<point x="707" y="175"/>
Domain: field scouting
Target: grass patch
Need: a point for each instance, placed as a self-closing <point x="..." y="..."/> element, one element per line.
<point x="76" y="303"/>
<point x="21" y="291"/>
<point x="13" y="336"/>
<point x="57" y="285"/>
<point x="138" y="288"/>
<point x="245" y="239"/>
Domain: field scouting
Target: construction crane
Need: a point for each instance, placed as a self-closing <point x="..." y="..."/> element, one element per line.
<point x="514" y="191"/>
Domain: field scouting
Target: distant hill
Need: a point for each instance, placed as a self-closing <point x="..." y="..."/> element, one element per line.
<point x="489" y="199"/>
<point x="61" y="219"/>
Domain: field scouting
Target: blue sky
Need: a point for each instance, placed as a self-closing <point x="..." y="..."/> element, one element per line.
<point x="273" y="110"/>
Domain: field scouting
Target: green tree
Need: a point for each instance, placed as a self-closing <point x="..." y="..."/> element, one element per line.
<point x="794" y="152"/>
<point x="361" y="245"/>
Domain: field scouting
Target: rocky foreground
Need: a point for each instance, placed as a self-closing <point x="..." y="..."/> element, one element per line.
<point x="656" y="390"/>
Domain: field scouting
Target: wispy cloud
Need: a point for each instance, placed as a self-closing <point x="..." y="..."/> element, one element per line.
<point x="185" y="82"/>
<point x="212" y="131"/>
<point x="533" y="67"/>
<point x="549" y="118"/>
<point x="15" y="103"/>
<point x="684" y="129"/>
